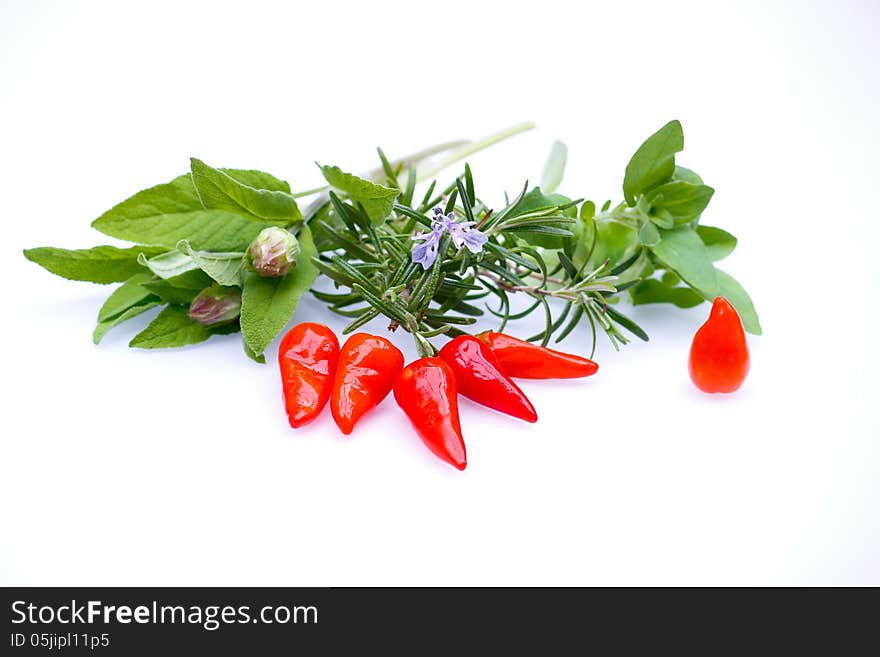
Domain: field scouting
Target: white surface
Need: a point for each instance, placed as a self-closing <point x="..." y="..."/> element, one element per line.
<point x="129" y="467"/>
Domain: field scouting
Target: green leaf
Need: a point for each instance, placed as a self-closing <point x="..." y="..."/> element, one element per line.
<point x="169" y="264"/>
<point x="534" y="202"/>
<point x="376" y="199"/>
<point x="648" y="234"/>
<point x="220" y="191"/>
<point x="719" y="243"/>
<point x="736" y="294"/>
<point x="614" y="242"/>
<point x="685" y="174"/>
<point x="653" y="162"/>
<point x="654" y="291"/>
<point x="225" y="268"/>
<point x="682" y="200"/>
<point x="554" y="169"/>
<point x="205" y="229"/>
<point x="682" y="251"/>
<point x="180" y="289"/>
<point x="129" y="294"/>
<point x="165" y="214"/>
<point x="537" y="200"/>
<point x="257" y="358"/>
<point x="670" y="278"/>
<point x="104" y="326"/>
<point x="258" y="179"/>
<point x="100" y="264"/>
<point x="195" y="279"/>
<point x="171" y="328"/>
<point x="663" y="219"/>
<point x="268" y="303"/>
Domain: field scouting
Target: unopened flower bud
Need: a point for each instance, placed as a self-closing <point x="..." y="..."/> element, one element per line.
<point x="216" y="305"/>
<point x="273" y="253"/>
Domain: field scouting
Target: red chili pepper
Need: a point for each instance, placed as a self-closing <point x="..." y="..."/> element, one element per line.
<point x="719" y="358"/>
<point x="525" y="360"/>
<point x="481" y="378"/>
<point x="427" y="393"/>
<point x="368" y="366"/>
<point x="307" y="358"/>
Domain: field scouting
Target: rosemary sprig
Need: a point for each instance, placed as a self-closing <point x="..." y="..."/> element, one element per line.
<point x="573" y="263"/>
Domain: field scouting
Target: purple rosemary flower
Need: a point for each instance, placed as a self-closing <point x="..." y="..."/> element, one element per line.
<point x="463" y="235"/>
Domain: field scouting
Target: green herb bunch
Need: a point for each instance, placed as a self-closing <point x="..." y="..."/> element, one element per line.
<point x="199" y="239"/>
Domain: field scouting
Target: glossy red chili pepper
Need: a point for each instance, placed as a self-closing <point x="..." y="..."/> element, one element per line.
<point x="307" y="358"/>
<point x="481" y="378"/>
<point x="368" y="367"/>
<point x="719" y="358"/>
<point x="524" y="360"/>
<point x="427" y="393"/>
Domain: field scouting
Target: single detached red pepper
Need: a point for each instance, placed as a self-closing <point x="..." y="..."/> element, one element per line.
<point x="719" y="358"/>
<point x="307" y="358"/>
<point x="427" y="393"/>
<point x="368" y="367"/>
<point x="481" y="378"/>
<point x="524" y="360"/>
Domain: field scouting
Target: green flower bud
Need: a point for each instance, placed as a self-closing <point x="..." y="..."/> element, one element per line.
<point x="216" y="305"/>
<point x="273" y="253"/>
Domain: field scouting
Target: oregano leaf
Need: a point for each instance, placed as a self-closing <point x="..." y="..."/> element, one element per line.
<point x="654" y="291"/>
<point x="682" y="251"/>
<point x="653" y="162"/>
<point x="736" y="294"/>
<point x="719" y="243"/>
<point x="683" y="201"/>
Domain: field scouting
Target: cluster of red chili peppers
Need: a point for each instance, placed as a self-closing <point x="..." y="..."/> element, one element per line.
<point x="357" y="377"/>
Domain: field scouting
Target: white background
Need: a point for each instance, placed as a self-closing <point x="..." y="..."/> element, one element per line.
<point x="130" y="467"/>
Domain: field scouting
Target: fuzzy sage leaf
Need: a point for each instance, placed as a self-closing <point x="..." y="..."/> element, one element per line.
<point x="217" y="190"/>
<point x="376" y="200"/>
<point x="165" y="214"/>
<point x="225" y="268"/>
<point x="130" y="293"/>
<point x="268" y="303"/>
<point x="100" y="264"/>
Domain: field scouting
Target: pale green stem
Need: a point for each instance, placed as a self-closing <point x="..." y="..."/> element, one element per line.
<point x="309" y="192"/>
<point x="463" y="149"/>
<point x="412" y="158"/>
<point x="473" y="147"/>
